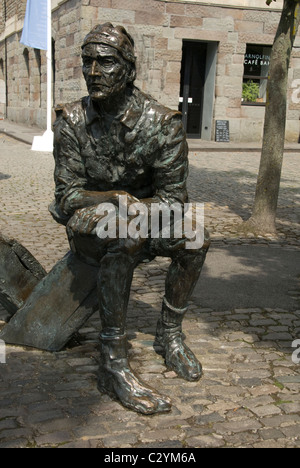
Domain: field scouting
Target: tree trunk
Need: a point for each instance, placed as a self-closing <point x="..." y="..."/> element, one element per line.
<point x="268" y="183"/>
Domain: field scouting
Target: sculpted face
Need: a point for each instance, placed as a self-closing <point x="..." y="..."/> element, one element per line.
<point x="105" y="71"/>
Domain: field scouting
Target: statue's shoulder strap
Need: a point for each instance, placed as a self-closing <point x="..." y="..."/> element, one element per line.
<point x="72" y="112"/>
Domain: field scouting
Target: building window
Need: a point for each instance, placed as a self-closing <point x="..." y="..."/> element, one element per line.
<point x="26" y="58"/>
<point x="26" y="85"/>
<point x="256" y="69"/>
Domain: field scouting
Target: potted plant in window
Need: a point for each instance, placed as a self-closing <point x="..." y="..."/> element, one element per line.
<point x="250" y="92"/>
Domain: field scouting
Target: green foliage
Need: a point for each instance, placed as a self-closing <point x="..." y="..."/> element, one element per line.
<point x="250" y="91"/>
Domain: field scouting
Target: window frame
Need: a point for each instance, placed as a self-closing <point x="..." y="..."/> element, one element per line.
<point x="255" y="78"/>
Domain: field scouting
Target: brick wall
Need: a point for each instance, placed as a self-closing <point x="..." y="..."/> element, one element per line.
<point x="10" y="8"/>
<point x="27" y="67"/>
<point x="25" y="85"/>
<point x="23" y="72"/>
<point x="68" y="35"/>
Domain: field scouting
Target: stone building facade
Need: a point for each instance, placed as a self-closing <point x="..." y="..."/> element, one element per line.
<point x="208" y="58"/>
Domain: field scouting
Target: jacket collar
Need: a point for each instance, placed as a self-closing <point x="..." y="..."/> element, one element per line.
<point x="129" y="117"/>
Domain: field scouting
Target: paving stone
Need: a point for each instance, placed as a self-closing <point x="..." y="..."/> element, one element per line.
<point x="271" y="434"/>
<point x="279" y="337"/>
<point x="209" y="441"/>
<point x="267" y="410"/>
<point x="8" y="424"/>
<point x="54" y="439"/>
<point x="237" y="426"/>
<point x="268" y="444"/>
<point x="207" y="419"/>
<point x="292" y="431"/>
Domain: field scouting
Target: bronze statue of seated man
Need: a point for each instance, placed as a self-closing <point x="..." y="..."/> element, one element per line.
<point x="120" y="144"/>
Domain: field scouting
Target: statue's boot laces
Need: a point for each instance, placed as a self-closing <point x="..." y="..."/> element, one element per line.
<point x="117" y="379"/>
<point x="169" y="343"/>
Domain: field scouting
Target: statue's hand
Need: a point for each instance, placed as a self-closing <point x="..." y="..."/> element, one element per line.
<point x="85" y="221"/>
<point x="114" y="198"/>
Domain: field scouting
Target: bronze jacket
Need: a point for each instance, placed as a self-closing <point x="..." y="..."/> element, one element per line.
<point x="143" y="151"/>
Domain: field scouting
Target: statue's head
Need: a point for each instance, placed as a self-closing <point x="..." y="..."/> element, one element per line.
<point x="108" y="61"/>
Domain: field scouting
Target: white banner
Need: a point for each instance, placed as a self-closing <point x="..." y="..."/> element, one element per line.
<point x="35" y="25"/>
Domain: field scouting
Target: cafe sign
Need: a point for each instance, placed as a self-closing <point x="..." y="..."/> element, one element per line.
<point x="257" y="60"/>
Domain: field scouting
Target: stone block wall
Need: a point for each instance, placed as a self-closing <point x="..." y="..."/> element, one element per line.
<point x="26" y="83"/>
<point x="68" y="35"/>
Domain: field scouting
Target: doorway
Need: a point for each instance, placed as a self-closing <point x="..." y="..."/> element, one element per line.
<point x="197" y="87"/>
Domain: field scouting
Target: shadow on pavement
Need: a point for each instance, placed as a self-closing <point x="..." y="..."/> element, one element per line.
<point x="242" y="277"/>
<point x="235" y="189"/>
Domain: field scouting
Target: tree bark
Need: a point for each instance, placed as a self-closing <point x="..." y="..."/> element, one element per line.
<point x="268" y="182"/>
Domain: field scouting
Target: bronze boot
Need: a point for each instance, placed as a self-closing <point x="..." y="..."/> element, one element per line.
<point x="169" y="343"/>
<point x="117" y="379"/>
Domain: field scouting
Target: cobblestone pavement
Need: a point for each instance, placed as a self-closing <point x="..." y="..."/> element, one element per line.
<point x="249" y="395"/>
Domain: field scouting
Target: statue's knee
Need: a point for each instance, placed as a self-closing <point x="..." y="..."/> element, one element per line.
<point x="195" y="257"/>
<point x="199" y="245"/>
<point x="84" y="243"/>
<point x="191" y="259"/>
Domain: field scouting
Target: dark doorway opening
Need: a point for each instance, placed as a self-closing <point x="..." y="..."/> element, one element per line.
<point x="197" y="88"/>
<point x="192" y="86"/>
